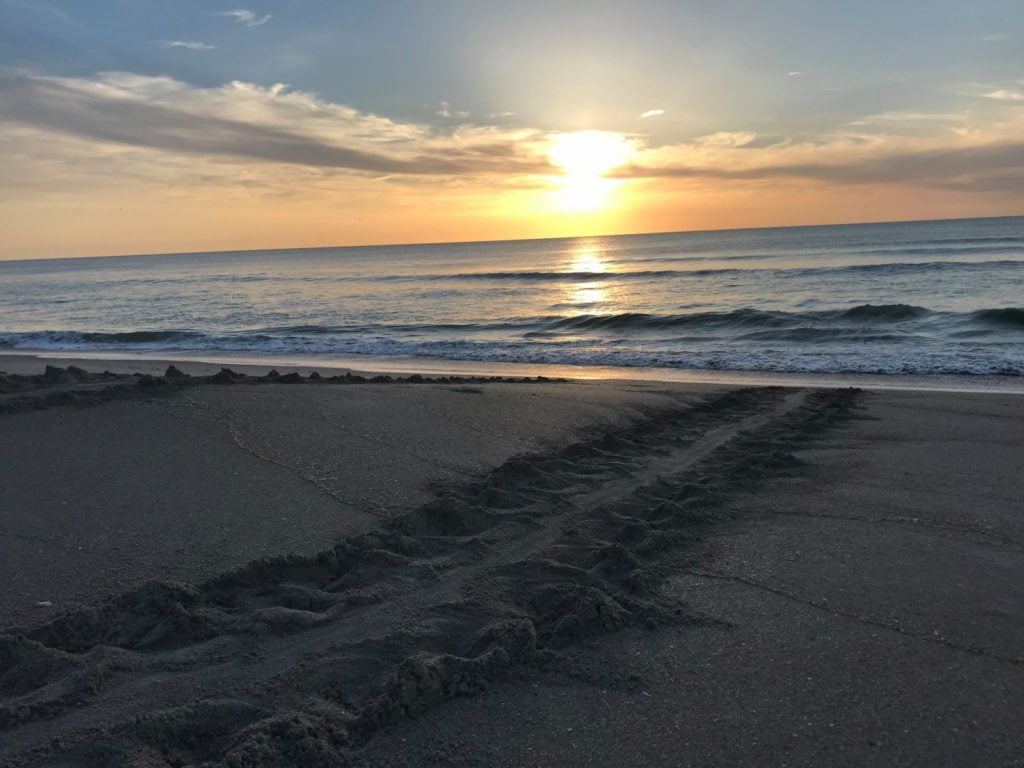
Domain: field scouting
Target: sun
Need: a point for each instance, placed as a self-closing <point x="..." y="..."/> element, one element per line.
<point x="585" y="158"/>
<point x="589" y="153"/>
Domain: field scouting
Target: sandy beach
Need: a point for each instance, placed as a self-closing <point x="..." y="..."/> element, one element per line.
<point x="489" y="385"/>
<point x="248" y="570"/>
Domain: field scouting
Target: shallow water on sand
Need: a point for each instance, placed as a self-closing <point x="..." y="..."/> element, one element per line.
<point x="918" y="297"/>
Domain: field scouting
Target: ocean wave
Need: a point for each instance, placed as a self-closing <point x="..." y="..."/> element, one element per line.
<point x="1010" y="317"/>
<point x="583" y="276"/>
<point x="921" y="266"/>
<point x="75" y="339"/>
<point x="884" y="312"/>
<point x="850" y="358"/>
<point x="936" y="249"/>
<point x="739" y="323"/>
<point x="887" y="338"/>
<point x="330" y="330"/>
<point x="1014" y="239"/>
<point x="572" y="277"/>
<point x="638" y="321"/>
<point x="569" y="276"/>
<point x="739" y="318"/>
<point x="825" y="335"/>
<point x="842" y="356"/>
<point x="561" y="276"/>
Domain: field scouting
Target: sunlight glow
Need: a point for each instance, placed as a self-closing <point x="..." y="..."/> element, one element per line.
<point x="585" y="157"/>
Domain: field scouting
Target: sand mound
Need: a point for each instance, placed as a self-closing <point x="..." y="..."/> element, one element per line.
<point x="74" y="386"/>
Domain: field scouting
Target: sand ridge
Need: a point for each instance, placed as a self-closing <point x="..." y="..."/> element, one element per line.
<point x="76" y="386"/>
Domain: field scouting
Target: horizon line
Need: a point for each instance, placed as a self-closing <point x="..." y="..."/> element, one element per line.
<point x="503" y="240"/>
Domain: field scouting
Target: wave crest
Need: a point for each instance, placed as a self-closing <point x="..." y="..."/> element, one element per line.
<point x="1011" y="317"/>
<point x="865" y="336"/>
<point x="884" y="312"/>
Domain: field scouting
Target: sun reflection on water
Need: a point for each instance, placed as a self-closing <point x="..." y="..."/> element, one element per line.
<point x="591" y="289"/>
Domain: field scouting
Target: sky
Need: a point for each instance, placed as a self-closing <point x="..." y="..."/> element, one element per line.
<point x="147" y="126"/>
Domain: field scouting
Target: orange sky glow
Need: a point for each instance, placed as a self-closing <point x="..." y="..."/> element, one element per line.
<point x="543" y="122"/>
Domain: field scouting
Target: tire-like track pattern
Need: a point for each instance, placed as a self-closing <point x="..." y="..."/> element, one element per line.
<point x="491" y="578"/>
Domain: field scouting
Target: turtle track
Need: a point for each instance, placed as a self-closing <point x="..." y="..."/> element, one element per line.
<point x="314" y="655"/>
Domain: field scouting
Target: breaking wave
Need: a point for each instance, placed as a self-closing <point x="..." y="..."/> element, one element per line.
<point x="885" y="338"/>
<point x="557" y="276"/>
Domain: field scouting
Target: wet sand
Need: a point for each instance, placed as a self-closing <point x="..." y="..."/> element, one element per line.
<point x="529" y="573"/>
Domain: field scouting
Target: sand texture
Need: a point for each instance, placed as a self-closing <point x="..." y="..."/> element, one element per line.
<point x="529" y="573"/>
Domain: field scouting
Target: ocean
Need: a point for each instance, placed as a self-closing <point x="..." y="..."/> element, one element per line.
<point x="939" y="297"/>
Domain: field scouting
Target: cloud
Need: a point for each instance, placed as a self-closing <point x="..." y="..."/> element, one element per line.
<point x="652" y="113"/>
<point x="794" y="74"/>
<point x="901" y="115"/>
<point x="247" y="17"/>
<point x="1005" y="94"/>
<point x="447" y="112"/>
<point x="996" y="38"/>
<point x="724" y="139"/>
<point x="37" y="6"/>
<point x="190" y="133"/>
<point x="939" y="119"/>
<point x="187" y="44"/>
<point x="969" y="158"/>
<point x="272" y="124"/>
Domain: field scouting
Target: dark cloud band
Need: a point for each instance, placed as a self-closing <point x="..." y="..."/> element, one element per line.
<point x="54" y="105"/>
